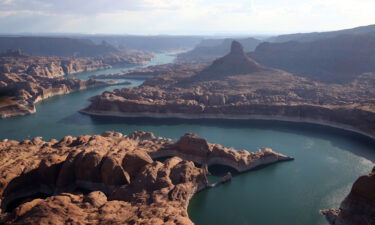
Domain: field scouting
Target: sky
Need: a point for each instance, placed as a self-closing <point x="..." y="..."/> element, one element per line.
<point x="183" y="17"/>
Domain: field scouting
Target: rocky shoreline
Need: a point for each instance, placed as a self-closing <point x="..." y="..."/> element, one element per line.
<point x="358" y="207"/>
<point x="18" y="62"/>
<point x="152" y="71"/>
<point x="228" y="117"/>
<point x="112" y="177"/>
<point x="26" y="80"/>
<point x="23" y="101"/>
<point x="235" y="86"/>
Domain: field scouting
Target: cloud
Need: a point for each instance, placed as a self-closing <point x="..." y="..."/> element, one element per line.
<point x="315" y="15"/>
<point x="183" y="17"/>
<point x="71" y="6"/>
<point x="113" y="6"/>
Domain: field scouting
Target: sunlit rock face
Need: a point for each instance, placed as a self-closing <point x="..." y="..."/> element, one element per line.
<point x="358" y="208"/>
<point x="26" y="80"/>
<point x="237" y="87"/>
<point x="111" y="178"/>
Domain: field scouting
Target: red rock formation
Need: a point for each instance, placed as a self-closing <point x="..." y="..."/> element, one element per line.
<point x="21" y="92"/>
<point x="210" y="49"/>
<point x="25" y="80"/>
<point x="237" y="87"/>
<point x="358" y="208"/>
<point x="102" y="179"/>
<point x="234" y="63"/>
<point x="193" y="148"/>
<point x="51" y="67"/>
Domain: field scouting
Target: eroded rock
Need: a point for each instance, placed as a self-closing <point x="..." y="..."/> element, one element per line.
<point x="237" y="87"/>
<point x="110" y="178"/>
<point x="358" y="208"/>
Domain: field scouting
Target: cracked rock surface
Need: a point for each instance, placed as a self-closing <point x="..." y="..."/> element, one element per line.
<point x="111" y="178"/>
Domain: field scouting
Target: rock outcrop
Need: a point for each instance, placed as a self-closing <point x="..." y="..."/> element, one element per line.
<point x="234" y="63"/>
<point x="107" y="179"/>
<point x="358" y="208"/>
<point x="237" y="87"/>
<point x="19" y="93"/>
<point x="196" y="149"/>
<point x="210" y="49"/>
<point x="13" y="62"/>
<point x="25" y="80"/>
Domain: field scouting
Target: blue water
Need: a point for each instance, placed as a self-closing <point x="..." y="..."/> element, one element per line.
<point x="327" y="161"/>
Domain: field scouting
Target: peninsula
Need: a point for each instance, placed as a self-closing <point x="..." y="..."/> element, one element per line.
<point x="237" y="87"/>
<point x="112" y="178"/>
<point x="26" y="80"/>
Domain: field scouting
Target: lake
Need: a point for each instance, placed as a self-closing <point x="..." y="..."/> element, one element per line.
<point x="327" y="160"/>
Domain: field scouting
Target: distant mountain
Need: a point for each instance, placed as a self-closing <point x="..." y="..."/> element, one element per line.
<point x="148" y="43"/>
<point x="210" y="49"/>
<point x="338" y="59"/>
<point x="13" y="53"/>
<point x="56" y="46"/>
<point x="306" y="37"/>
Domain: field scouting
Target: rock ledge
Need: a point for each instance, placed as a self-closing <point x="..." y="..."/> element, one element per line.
<point x="111" y="178"/>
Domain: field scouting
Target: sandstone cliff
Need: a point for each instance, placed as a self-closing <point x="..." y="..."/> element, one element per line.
<point x="25" y="80"/>
<point x="19" y="62"/>
<point x="109" y="178"/>
<point x="20" y="92"/>
<point x="236" y="86"/>
<point x="234" y="63"/>
<point x="358" y="208"/>
<point x="210" y="49"/>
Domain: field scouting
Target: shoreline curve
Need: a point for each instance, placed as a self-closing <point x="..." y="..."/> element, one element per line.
<point x="228" y="117"/>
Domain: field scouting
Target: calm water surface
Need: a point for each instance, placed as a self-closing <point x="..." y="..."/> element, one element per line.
<point x="291" y="193"/>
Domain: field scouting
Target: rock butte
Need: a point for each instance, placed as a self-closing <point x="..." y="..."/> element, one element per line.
<point x="111" y="178"/>
<point x="210" y="49"/>
<point x="237" y="87"/>
<point x="358" y="208"/>
<point x="236" y="62"/>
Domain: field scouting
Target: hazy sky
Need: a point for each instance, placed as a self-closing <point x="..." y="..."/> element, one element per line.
<point x="183" y="16"/>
